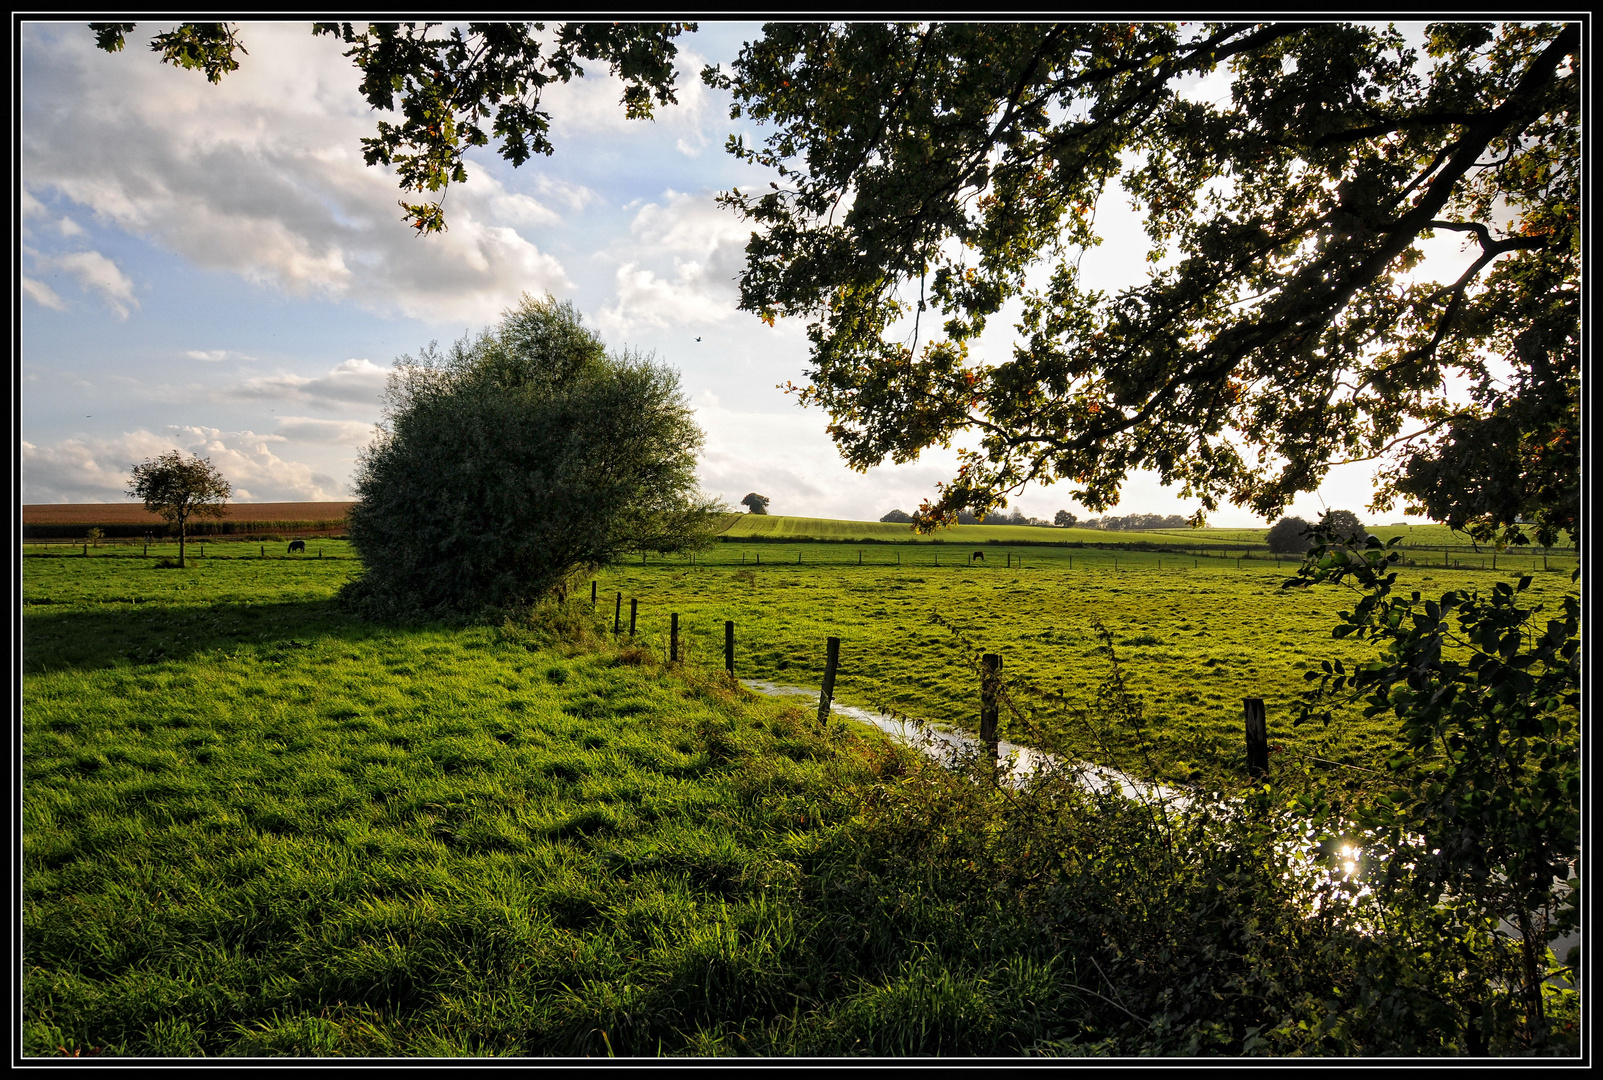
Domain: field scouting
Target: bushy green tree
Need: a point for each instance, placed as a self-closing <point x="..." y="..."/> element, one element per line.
<point x="933" y="172"/>
<point x="755" y="503"/>
<point x="1064" y="519"/>
<point x="1289" y="536"/>
<point x="180" y="488"/>
<point x="1343" y="524"/>
<point x="516" y="458"/>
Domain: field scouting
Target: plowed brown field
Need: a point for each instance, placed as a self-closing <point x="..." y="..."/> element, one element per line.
<point x="132" y="513"/>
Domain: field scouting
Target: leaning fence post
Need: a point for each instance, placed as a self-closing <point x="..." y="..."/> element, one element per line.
<point x="1257" y="738"/>
<point x="617" y="615"/>
<point x="831" y="662"/>
<point x="634" y="607"/>
<point x="990" y="682"/>
<point x="673" y="638"/>
<point x="729" y="647"/>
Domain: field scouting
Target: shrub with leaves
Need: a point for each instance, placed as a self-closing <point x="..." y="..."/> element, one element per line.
<point x="516" y="459"/>
<point x="1483" y="823"/>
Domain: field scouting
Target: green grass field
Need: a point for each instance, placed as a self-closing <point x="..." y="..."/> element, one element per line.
<point x="1431" y="538"/>
<point x="253" y="825"/>
<point x="1194" y="636"/>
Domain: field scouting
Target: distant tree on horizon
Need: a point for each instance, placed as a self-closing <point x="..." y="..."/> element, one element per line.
<point x="1289" y="536"/>
<point x="755" y="503"/>
<point x="178" y="489"/>
<point x="899" y="517"/>
<point x="1064" y="520"/>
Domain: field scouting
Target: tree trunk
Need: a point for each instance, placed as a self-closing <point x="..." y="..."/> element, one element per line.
<point x="181" y="522"/>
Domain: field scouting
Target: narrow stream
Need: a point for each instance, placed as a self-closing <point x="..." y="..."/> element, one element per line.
<point x="946" y="745"/>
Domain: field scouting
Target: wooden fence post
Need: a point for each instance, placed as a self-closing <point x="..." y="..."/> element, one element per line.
<point x="264" y="551"/>
<point x="729" y="647"/>
<point x="617" y="615"/>
<point x="831" y="662"/>
<point x="1257" y="738"/>
<point x="673" y="638"/>
<point x="592" y="596"/>
<point x="990" y="680"/>
<point x="634" y="608"/>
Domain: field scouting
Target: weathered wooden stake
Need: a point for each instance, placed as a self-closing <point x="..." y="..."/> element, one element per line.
<point x="86" y="551"/>
<point x="634" y="608"/>
<point x="990" y="680"/>
<point x="1257" y="738"/>
<point x="617" y="615"/>
<point x="673" y="638"/>
<point x="592" y="596"/>
<point x="831" y="662"/>
<point x="859" y="557"/>
<point x="729" y="647"/>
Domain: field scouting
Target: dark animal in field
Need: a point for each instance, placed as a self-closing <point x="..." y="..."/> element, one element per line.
<point x="297" y="545"/>
<point x="980" y="555"/>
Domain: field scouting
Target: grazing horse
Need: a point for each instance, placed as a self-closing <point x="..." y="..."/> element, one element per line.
<point x="297" y="545"/>
<point x="980" y="555"/>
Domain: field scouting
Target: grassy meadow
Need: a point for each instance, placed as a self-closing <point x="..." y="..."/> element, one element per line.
<point x="253" y="825"/>
<point x="1193" y="636"/>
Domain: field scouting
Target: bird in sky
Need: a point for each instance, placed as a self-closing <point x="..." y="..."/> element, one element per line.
<point x="698" y="339"/>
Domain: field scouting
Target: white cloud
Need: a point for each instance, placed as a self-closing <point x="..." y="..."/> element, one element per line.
<point x="97" y="470"/>
<point x="262" y="175"/>
<point x="212" y="356"/>
<point x="68" y="227"/>
<point x="42" y="294"/>
<point x="338" y="432"/>
<point x="705" y="247"/>
<point x="593" y="105"/>
<point x="93" y="271"/>
<point x="350" y="382"/>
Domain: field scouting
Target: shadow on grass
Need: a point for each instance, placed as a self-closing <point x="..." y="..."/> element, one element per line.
<point x="56" y="640"/>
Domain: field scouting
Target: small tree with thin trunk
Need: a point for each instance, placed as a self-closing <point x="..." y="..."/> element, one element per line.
<point x="179" y="489"/>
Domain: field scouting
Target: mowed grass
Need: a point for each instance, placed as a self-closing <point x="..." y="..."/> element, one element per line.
<point x="254" y="826"/>
<point x="1194" y="636"/>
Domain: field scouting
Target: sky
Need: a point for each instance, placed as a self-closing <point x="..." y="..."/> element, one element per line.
<point x="213" y="268"/>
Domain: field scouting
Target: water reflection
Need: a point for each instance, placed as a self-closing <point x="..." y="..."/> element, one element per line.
<point x="1333" y="867"/>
